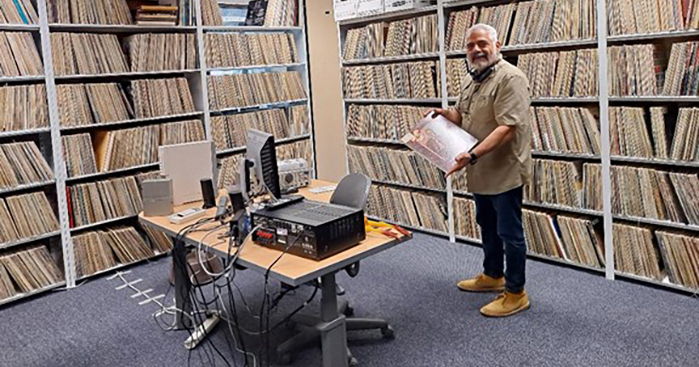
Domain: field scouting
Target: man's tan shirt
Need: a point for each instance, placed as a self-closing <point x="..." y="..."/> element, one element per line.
<point x="501" y="99"/>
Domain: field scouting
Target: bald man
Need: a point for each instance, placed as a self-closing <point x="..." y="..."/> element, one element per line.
<point x="494" y="107"/>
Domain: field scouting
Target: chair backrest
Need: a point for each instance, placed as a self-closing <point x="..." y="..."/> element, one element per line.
<point x="352" y="191"/>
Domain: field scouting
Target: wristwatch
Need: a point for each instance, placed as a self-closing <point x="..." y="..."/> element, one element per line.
<point x="474" y="157"/>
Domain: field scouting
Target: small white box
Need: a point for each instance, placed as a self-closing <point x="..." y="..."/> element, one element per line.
<point x="367" y="8"/>
<point x="345" y="9"/>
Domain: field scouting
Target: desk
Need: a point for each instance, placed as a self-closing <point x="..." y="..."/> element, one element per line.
<point x="294" y="270"/>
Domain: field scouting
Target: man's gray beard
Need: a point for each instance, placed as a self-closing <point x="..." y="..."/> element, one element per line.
<point x="495" y="58"/>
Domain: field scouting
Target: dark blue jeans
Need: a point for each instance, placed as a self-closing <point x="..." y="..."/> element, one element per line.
<point x="500" y="219"/>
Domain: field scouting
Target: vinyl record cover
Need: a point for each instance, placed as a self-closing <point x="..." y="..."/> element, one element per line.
<point x="439" y="140"/>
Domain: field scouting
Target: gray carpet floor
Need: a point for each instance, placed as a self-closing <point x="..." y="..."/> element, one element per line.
<point x="576" y="319"/>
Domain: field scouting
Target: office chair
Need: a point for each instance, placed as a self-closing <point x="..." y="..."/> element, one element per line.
<point x="352" y="191"/>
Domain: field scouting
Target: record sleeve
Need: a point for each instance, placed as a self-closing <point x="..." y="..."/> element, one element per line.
<point x="439" y="141"/>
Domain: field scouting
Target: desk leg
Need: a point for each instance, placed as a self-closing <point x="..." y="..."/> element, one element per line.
<point x="179" y="259"/>
<point x="333" y="331"/>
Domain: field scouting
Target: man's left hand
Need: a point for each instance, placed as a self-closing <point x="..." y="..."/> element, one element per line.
<point x="462" y="160"/>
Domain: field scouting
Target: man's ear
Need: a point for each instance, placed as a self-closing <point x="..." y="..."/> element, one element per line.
<point x="498" y="45"/>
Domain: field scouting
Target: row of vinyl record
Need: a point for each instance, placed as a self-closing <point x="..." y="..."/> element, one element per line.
<point x="651" y="16"/>
<point x="637" y="192"/>
<point x="565" y="129"/>
<point x="91" y="53"/>
<point x="645" y="193"/>
<point x="88" y="104"/>
<point x="112" y="150"/>
<point x="402" y="37"/>
<point x="228" y="173"/>
<point x="639" y="70"/>
<point x="22" y="164"/>
<point x="561" y="74"/>
<point x="18" y="12"/>
<point x="389" y="122"/>
<point x="25" y="216"/>
<point x="250" y="49"/>
<point x="561" y="129"/>
<point x="97" y="251"/>
<point x="95" y="202"/>
<point x="395" y="165"/>
<point x="401" y="80"/>
<point x="630" y="133"/>
<point x="578" y="240"/>
<point x="244" y="90"/>
<point x="527" y="22"/>
<point x="26" y="270"/>
<point x="23" y="107"/>
<point x="230" y="131"/>
<point x="269" y="13"/>
<point x="409" y="207"/>
<point x="19" y="55"/>
<point x="89" y="11"/>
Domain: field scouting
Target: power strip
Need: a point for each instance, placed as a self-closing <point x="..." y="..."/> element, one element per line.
<point x="186" y="215"/>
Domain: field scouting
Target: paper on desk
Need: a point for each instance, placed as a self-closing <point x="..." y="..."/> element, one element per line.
<point x="439" y="141"/>
<point x="322" y="189"/>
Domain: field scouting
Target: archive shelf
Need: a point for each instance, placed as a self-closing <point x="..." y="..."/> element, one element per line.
<point x="120" y="266"/>
<point x="401" y="14"/>
<point x="534" y="255"/>
<point x="665" y="283"/>
<point x="49" y="139"/>
<point x="598" y="103"/>
<point x="32" y="293"/>
<point x="137" y="121"/>
<point x="28" y="240"/>
<point x="251" y="29"/>
<point x="276" y="141"/>
<point x="409" y="186"/>
<point x="119" y="28"/>
<point x="257" y="67"/>
<point x="34" y="185"/>
<point x="389" y="59"/>
<point x="15" y="133"/>
<point x="674" y="35"/>
<point x="9" y="27"/>
<point x="263" y="106"/>
<point x="102" y="223"/>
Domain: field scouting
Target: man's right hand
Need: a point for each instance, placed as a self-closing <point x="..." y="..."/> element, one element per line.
<point x="451" y="114"/>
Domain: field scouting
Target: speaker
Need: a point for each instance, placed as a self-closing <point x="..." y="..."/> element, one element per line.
<point x="236" y="196"/>
<point x="207" y="193"/>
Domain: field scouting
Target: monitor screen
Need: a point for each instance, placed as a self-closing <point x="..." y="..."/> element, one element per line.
<point x="261" y="151"/>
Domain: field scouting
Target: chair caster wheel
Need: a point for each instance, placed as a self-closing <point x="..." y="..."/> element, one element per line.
<point x="349" y="312"/>
<point x="388" y="332"/>
<point x="286" y="359"/>
<point x="353" y="362"/>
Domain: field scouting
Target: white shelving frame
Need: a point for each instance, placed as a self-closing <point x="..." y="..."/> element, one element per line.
<point x="198" y="83"/>
<point x="602" y="101"/>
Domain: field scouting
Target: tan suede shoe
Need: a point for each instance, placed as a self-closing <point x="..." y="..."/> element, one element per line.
<point x="506" y="304"/>
<point x="482" y="283"/>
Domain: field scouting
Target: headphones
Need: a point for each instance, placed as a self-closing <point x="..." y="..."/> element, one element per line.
<point x="479" y="77"/>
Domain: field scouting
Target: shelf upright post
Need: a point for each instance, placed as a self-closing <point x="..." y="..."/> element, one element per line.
<point x="441" y="24"/>
<point x="604" y="127"/>
<point x="201" y="91"/>
<point x="59" y="167"/>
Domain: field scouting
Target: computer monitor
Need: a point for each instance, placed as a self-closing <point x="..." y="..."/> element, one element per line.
<point x="261" y="151"/>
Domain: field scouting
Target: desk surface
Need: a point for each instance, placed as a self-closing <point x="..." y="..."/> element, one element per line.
<point x="290" y="269"/>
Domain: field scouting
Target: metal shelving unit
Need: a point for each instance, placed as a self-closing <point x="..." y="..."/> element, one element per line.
<point x="600" y="102"/>
<point x="51" y="137"/>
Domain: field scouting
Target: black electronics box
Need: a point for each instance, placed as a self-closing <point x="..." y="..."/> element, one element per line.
<point x="309" y="229"/>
